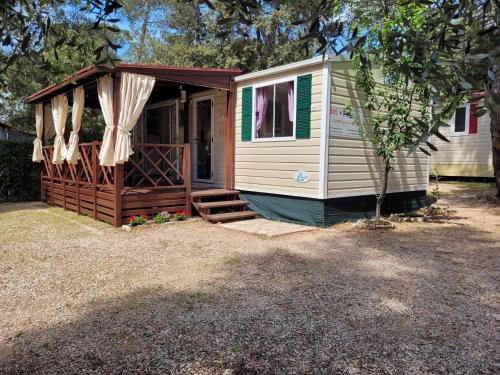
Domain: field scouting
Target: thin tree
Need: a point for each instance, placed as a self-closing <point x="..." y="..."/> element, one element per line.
<point x="397" y="113"/>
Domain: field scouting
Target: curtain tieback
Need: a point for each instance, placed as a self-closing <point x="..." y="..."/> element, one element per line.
<point x="73" y="133"/>
<point x="124" y="132"/>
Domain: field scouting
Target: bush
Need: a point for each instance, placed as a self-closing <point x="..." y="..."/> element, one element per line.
<point x="162" y="218"/>
<point x="19" y="176"/>
<point x="181" y="215"/>
<point x="137" y="220"/>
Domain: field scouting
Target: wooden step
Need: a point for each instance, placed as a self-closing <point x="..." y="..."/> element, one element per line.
<point x="213" y="193"/>
<point x="219" y="204"/>
<point x="219" y="218"/>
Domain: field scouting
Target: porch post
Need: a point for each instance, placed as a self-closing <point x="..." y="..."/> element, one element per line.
<point x="186" y="171"/>
<point x="95" y="171"/>
<point x="186" y="120"/>
<point x="118" y="168"/>
<point x="229" y="136"/>
<point x="51" y="174"/>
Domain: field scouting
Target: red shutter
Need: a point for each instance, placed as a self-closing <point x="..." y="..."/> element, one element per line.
<point x="473" y="119"/>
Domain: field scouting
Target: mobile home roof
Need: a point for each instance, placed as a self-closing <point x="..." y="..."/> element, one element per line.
<point x="299" y="64"/>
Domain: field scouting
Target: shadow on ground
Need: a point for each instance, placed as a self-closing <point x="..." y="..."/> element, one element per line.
<point x="351" y="305"/>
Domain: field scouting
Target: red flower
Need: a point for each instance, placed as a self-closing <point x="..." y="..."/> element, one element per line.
<point x="177" y="213"/>
<point x="185" y="213"/>
<point x="132" y="219"/>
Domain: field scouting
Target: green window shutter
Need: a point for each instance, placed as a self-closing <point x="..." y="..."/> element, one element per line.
<point x="303" y="116"/>
<point x="246" y="113"/>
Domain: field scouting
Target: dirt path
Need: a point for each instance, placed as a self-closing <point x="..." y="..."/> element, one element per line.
<point x="77" y="296"/>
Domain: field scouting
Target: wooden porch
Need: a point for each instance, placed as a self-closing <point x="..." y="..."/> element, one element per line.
<point x="156" y="178"/>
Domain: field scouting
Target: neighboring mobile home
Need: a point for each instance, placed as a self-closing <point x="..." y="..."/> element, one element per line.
<point x="10" y="133"/>
<point x="277" y="140"/>
<point x="469" y="152"/>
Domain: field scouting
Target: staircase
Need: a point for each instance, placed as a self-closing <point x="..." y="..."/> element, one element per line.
<point x="221" y="205"/>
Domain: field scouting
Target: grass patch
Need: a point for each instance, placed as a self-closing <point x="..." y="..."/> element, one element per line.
<point x="27" y="222"/>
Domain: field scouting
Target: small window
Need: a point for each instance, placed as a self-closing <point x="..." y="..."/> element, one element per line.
<point x="460" y="121"/>
<point x="274" y="113"/>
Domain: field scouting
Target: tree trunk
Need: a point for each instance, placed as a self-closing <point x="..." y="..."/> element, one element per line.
<point x="144" y="30"/>
<point x="380" y="198"/>
<point x="495" y="140"/>
<point x="495" y="132"/>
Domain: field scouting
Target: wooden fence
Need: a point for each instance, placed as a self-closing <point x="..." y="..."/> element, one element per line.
<point x="156" y="178"/>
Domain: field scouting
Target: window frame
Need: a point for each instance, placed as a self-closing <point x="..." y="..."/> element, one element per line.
<point x="254" y="109"/>
<point x="454" y="133"/>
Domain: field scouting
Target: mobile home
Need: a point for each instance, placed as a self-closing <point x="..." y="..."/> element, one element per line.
<point x="298" y="157"/>
<point x="275" y="143"/>
<point x="469" y="152"/>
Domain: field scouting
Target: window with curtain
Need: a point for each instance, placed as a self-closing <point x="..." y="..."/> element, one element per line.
<point x="275" y="111"/>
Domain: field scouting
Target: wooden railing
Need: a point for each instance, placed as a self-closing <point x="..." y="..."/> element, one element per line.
<point x="99" y="191"/>
<point x="157" y="166"/>
<point x="87" y="172"/>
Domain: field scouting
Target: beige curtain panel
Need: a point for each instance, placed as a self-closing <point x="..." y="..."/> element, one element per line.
<point x="105" y="93"/>
<point x="134" y="93"/>
<point x="48" y="123"/>
<point x="59" y="113"/>
<point x="37" y="143"/>
<point x="72" y="154"/>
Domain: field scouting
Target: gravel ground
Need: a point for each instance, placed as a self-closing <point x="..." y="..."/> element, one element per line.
<point x="77" y="296"/>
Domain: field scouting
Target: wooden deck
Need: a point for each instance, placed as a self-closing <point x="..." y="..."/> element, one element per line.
<point x="156" y="178"/>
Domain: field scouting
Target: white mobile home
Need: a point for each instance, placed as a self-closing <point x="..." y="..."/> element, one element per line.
<point x="469" y="152"/>
<point x="297" y="157"/>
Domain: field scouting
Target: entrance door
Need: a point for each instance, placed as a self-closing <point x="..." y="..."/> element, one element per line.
<point x="203" y="137"/>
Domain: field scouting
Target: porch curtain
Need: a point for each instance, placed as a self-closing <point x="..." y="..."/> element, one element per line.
<point x="72" y="154"/>
<point x="105" y="94"/>
<point x="135" y="92"/>
<point x="59" y="113"/>
<point x="261" y="108"/>
<point x="48" y="123"/>
<point x="291" y="102"/>
<point x="37" y="143"/>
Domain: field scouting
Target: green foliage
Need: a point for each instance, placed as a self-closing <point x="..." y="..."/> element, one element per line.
<point x="23" y="77"/>
<point x="19" y="176"/>
<point x="137" y="220"/>
<point x="26" y="28"/>
<point x="399" y="110"/>
<point x="161" y="218"/>
<point x="192" y="34"/>
<point x="181" y="215"/>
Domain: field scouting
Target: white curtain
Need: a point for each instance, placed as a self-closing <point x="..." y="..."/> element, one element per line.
<point x="134" y="93"/>
<point x="72" y="154"/>
<point x="48" y="123"/>
<point x="37" y="143"/>
<point x="59" y="113"/>
<point x="105" y="93"/>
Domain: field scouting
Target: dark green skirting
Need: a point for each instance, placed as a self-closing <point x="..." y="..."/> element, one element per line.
<point x="327" y="212"/>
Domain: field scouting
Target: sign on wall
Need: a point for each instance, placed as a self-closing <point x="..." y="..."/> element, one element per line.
<point x="342" y="124"/>
<point x="301" y="176"/>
